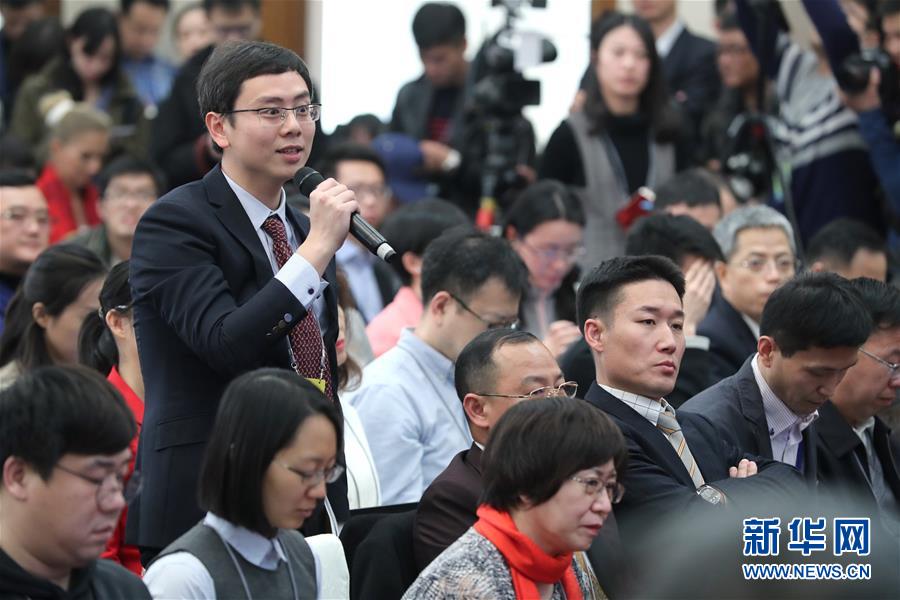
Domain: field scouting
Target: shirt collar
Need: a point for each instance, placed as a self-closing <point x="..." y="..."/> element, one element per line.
<point x="258" y="550"/>
<point x="644" y="406"/>
<point x="665" y="42"/>
<point x="427" y="356"/>
<point x="255" y="209"/>
<point x="753" y="325"/>
<point x="779" y="418"/>
<point x="860" y="430"/>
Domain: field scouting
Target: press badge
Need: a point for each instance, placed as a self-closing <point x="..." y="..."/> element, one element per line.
<point x="319" y="383"/>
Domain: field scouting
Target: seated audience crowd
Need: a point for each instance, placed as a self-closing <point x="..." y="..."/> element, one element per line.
<point x="682" y="312"/>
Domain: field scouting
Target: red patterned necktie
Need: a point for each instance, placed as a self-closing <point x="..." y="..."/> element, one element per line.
<point x="305" y="337"/>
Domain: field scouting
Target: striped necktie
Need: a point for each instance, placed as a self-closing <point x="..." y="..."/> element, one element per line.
<point x="672" y="430"/>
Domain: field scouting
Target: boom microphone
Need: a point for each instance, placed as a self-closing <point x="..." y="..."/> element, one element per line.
<point x="308" y="179"/>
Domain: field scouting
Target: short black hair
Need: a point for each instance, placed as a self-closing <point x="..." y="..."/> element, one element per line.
<point x="233" y="63"/>
<point x="546" y="200"/>
<point x="538" y="445"/>
<point x="437" y="24"/>
<point x="887" y="8"/>
<point x="16" y="178"/>
<point x="881" y="299"/>
<point x="815" y="310"/>
<point x="132" y="165"/>
<point x="475" y="370"/>
<point x="349" y="151"/>
<point x="230" y="6"/>
<point x="672" y="236"/>
<point x="460" y="262"/>
<point x="692" y="187"/>
<point x="412" y="227"/>
<point x="258" y="416"/>
<point x="125" y="5"/>
<point x="56" y="278"/>
<point x="94" y="26"/>
<point x="16" y="154"/>
<point x="57" y="410"/>
<point x="19" y="3"/>
<point x="840" y="240"/>
<point x="96" y="345"/>
<point x="600" y="290"/>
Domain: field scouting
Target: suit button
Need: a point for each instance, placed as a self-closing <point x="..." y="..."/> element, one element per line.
<point x="310" y="291"/>
<point x="288" y="317"/>
<point x="282" y="324"/>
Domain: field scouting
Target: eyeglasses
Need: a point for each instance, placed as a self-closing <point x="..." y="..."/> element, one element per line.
<point x="593" y="486"/>
<point x="378" y="191"/>
<point x="568" y="389"/>
<point x="311" y="478"/>
<point x="555" y="253"/>
<point x="20" y="216"/>
<point x="120" y="195"/>
<point x="514" y="324"/>
<point x="783" y="264"/>
<point x="110" y="485"/>
<point x="119" y="308"/>
<point x="274" y="116"/>
<point x="891" y="367"/>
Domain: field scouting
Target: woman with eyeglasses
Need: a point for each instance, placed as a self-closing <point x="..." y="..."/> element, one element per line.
<point x="545" y="226"/>
<point x="550" y="473"/>
<point x="107" y="343"/>
<point x="273" y="447"/>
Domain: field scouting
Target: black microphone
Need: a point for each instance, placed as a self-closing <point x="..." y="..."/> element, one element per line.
<point x="308" y="179"/>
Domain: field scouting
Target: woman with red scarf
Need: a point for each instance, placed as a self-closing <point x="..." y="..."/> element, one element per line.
<point x="550" y="474"/>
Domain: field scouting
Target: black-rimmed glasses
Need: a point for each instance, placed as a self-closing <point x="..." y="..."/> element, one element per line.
<point x="276" y="115"/>
<point x="490" y="324"/>
<point x="109" y="485"/>
<point x="568" y="389"/>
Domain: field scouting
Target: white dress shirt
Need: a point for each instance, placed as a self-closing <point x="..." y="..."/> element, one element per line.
<point x="358" y="264"/>
<point x="644" y="406"/>
<point x="665" y="42"/>
<point x="753" y="325"/>
<point x="785" y="427"/>
<point x="181" y="575"/>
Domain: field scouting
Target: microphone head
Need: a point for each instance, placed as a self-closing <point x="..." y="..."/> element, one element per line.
<point x="307" y="179"/>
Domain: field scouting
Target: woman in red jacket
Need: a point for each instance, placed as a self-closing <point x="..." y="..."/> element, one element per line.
<point x="107" y="343"/>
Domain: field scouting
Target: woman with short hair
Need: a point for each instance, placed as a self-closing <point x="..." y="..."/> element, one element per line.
<point x="550" y="475"/>
<point x="274" y="446"/>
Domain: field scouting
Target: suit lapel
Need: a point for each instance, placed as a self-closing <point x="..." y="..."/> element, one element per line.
<point x="651" y="439"/>
<point x="752" y="409"/>
<point x="232" y="215"/>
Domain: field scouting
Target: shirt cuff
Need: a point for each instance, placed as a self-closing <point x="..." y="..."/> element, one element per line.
<point x="697" y="342"/>
<point x="299" y="276"/>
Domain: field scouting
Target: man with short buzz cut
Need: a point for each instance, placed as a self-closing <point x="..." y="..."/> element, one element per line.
<point x="140" y="25"/>
<point x="811" y="329"/>
<point x="64" y="437"/>
<point x="760" y="254"/>
<point x="679" y="465"/>
<point x="857" y="457"/>
<point x="24" y="230"/>
<point x="692" y="193"/>
<point x="407" y="402"/>
<point x="849" y="248"/>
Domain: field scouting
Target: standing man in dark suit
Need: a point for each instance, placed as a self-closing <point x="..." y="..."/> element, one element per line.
<point x="679" y="466"/>
<point x="227" y="278"/>
<point x="811" y="329"/>
<point x="760" y="255"/>
<point x="857" y="457"/>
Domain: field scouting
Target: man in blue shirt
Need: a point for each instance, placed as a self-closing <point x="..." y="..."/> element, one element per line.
<point x="140" y="23"/>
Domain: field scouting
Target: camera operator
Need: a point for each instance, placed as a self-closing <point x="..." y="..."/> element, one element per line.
<point x="877" y="108"/>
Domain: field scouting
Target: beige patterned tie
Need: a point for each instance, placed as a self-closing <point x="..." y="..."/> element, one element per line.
<point x="672" y="430"/>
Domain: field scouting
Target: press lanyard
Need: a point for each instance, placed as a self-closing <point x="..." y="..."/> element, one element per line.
<point x="240" y="571"/>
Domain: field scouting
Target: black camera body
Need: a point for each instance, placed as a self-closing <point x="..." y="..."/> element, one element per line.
<point x="853" y="74"/>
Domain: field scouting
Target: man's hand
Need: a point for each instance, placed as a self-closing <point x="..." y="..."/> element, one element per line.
<point x="745" y="468"/>
<point x="330" y="207"/>
<point x="560" y="336"/>
<point x="867" y="99"/>
<point x="700" y="281"/>
<point x="434" y="154"/>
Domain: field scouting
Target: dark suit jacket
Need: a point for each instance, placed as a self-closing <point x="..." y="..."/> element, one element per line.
<point x="692" y="75"/>
<point x="735" y="406"/>
<point x="843" y="465"/>
<point x="577" y="365"/>
<point x="658" y="487"/>
<point x="730" y="340"/>
<point x="206" y="309"/>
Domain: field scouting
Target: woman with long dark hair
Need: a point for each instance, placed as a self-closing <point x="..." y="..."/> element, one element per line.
<point x="88" y="71"/>
<point x="60" y="289"/>
<point x="107" y="343"/>
<point x="624" y="136"/>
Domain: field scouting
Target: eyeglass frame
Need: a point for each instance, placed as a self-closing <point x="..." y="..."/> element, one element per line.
<point x="119" y="308"/>
<point x="283" y="111"/>
<point x="893" y="368"/>
<point x="544" y="254"/>
<point x="129" y="486"/>
<point x="514" y="325"/>
<point x="614" y="498"/>
<point x="314" y="478"/>
<point x="795" y="263"/>
<point x="533" y="394"/>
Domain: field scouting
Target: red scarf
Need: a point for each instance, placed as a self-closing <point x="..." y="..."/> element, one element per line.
<point x="528" y="564"/>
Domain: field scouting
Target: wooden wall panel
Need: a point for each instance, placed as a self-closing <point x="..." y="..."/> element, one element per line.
<point x="284" y="22"/>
